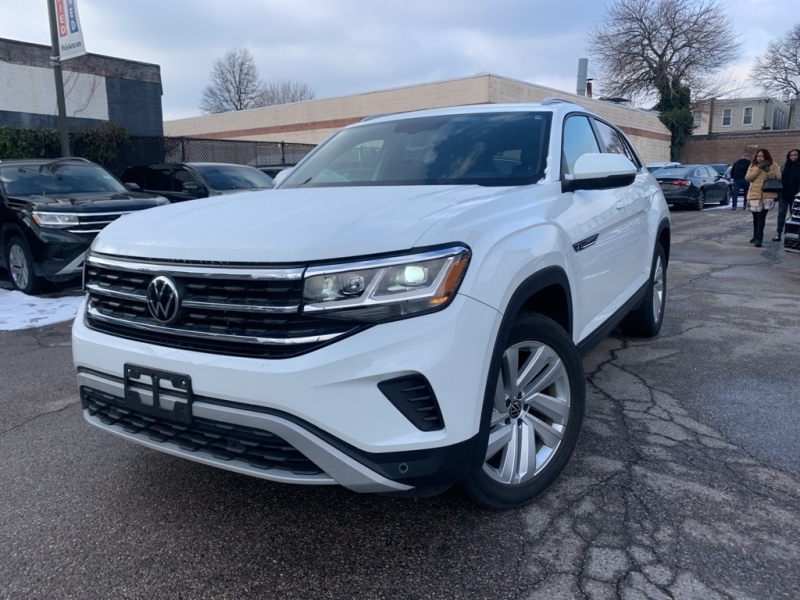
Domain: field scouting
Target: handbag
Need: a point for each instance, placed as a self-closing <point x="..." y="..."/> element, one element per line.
<point x="772" y="185"/>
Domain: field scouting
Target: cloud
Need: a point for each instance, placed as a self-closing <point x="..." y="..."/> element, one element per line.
<point x="355" y="46"/>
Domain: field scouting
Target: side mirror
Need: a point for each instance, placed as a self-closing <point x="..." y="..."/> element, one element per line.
<point x="600" y="172"/>
<point x="281" y="177"/>
<point x="134" y="187"/>
<point x="191" y="186"/>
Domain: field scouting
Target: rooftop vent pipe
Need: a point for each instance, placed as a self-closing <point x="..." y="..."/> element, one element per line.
<point x="583" y="72"/>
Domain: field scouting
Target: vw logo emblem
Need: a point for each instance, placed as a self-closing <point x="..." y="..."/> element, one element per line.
<point x="515" y="410"/>
<point x="163" y="301"/>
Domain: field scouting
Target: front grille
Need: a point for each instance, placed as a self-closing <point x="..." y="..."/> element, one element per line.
<point x="254" y="447"/>
<point x="94" y="222"/>
<point x="230" y="310"/>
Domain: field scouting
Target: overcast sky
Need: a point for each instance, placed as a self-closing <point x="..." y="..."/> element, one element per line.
<point x="342" y="47"/>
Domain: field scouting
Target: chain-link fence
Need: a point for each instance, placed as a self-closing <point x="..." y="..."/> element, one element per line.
<point x="153" y="150"/>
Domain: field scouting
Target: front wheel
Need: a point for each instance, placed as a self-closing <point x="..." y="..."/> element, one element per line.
<point x="536" y="414"/>
<point x="20" y="266"/>
<point x="727" y="198"/>
<point x="646" y="320"/>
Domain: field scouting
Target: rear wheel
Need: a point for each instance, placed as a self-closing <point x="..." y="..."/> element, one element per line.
<point x="646" y="320"/>
<point x="537" y="410"/>
<point x="701" y="200"/>
<point x="20" y="266"/>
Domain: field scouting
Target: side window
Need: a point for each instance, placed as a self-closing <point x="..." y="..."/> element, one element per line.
<point x="157" y="179"/>
<point x="180" y="177"/>
<point x="616" y="143"/>
<point x="578" y="140"/>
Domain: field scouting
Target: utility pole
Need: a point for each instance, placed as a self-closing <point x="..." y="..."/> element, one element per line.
<point x="55" y="61"/>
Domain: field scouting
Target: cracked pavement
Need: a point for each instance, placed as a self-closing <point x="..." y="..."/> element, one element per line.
<point x="684" y="483"/>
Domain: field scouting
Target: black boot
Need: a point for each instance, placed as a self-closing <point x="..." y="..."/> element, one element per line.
<point x="777" y="238"/>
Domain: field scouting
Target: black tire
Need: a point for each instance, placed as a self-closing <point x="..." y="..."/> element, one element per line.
<point x="727" y="198"/>
<point x="646" y="320"/>
<point x="701" y="200"/>
<point x="20" y="267"/>
<point x="536" y="430"/>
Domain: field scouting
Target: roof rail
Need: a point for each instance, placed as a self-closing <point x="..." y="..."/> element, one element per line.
<point x="553" y="100"/>
<point x="69" y="159"/>
<point x="376" y="116"/>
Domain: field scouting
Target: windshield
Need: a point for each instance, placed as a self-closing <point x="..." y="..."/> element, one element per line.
<point x="57" y="179"/>
<point x="497" y="149"/>
<point x="224" y="177"/>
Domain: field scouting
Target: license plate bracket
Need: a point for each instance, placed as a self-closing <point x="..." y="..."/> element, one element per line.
<point x="160" y="394"/>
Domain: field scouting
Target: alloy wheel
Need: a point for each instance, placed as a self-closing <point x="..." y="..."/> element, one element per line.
<point x="658" y="288"/>
<point x="18" y="265"/>
<point x="530" y="413"/>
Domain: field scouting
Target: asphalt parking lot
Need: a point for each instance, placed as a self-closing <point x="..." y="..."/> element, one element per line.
<point x="685" y="482"/>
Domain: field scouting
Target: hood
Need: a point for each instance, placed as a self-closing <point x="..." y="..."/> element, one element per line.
<point x="288" y="226"/>
<point x="93" y="202"/>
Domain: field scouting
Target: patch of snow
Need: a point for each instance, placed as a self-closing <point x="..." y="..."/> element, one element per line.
<point x="20" y="311"/>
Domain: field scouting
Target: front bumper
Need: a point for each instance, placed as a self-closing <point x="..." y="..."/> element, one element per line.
<point x="325" y="404"/>
<point x="791" y="235"/>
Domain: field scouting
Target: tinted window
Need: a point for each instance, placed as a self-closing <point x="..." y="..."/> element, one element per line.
<point x="157" y="179"/>
<point x="671" y="172"/>
<point x="234" y="177"/>
<point x="578" y="140"/>
<point x="482" y="149"/>
<point x="57" y="178"/>
<point x="180" y="177"/>
<point x="615" y="142"/>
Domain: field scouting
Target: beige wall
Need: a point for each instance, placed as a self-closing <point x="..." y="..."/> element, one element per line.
<point x="311" y="122"/>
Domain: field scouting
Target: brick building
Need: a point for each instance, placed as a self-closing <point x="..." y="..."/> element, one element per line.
<point x="728" y="147"/>
<point x="97" y="89"/>
<point x="313" y="121"/>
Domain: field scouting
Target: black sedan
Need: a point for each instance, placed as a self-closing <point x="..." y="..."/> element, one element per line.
<point x="693" y="185"/>
<point x="51" y="210"/>
<point x="190" y="180"/>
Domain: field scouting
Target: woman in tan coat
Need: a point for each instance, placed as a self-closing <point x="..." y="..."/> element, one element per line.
<point x="760" y="202"/>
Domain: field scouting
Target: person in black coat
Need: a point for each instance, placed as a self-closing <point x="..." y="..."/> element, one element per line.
<point x="738" y="171"/>
<point x="791" y="187"/>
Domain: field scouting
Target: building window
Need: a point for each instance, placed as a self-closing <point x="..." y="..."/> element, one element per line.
<point x="747" y="118"/>
<point x="696" y="118"/>
<point x="726" y="117"/>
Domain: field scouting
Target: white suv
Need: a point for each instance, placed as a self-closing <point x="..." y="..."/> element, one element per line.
<point x="406" y="311"/>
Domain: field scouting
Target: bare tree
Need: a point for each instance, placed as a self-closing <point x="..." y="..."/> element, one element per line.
<point x="235" y="83"/>
<point x="778" y="69"/>
<point x="649" y="49"/>
<point x="665" y="51"/>
<point x="285" y="91"/>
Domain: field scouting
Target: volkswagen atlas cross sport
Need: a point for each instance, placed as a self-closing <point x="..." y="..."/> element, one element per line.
<point x="51" y="210"/>
<point x="406" y="311"/>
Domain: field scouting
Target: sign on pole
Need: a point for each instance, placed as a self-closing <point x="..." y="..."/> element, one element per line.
<point x="70" y="34"/>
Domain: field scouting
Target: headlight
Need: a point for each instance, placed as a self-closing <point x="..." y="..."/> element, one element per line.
<point x="48" y="219"/>
<point x="386" y="289"/>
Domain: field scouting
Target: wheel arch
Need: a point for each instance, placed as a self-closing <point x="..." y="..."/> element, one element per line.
<point x="10" y="230"/>
<point x="546" y="292"/>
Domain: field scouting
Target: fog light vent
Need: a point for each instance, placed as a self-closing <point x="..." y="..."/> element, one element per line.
<point x="413" y="396"/>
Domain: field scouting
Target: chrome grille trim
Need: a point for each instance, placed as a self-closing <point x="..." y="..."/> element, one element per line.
<point x="248" y="308"/>
<point x="220" y="337"/>
<point x="210" y="271"/>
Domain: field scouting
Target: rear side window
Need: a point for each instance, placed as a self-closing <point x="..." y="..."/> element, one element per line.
<point x="578" y="140"/>
<point x="615" y="142"/>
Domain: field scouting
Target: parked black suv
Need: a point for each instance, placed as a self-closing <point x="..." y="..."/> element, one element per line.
<point x="51" y="210"/>
<point x="791" y="234"/>
<point x="187" y="181"/>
